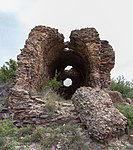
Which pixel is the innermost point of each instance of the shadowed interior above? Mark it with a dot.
(77, 73)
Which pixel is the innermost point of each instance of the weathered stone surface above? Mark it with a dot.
(130, 139)
(107, 61)
(129, 101)
(23, 105)
(116, 97)
(40, 51)
(97, 113)
(86, 42)
(4, 91)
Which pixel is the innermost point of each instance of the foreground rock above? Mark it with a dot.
(97, 113)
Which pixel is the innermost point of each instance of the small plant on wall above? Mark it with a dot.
(51, 83)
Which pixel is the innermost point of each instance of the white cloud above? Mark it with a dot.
(10, 5)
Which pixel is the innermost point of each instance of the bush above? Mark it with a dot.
(67, 136)
(7, 71)
(8, 133)
(127, 111)
(51, 83)
(52, 101)
(123, 86)
(7, 128)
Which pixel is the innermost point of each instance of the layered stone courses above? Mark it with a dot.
(44, 48)
(45, 54)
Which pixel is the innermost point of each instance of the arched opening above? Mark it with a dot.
(67, 82)
(72, 70)
(68, 67)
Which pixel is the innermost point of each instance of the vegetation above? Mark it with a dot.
(49, 94)
(123, 86)
(66, 136)
(51, 83)
(52, 101)
(127, 111)
(8, 132)
(7, 71)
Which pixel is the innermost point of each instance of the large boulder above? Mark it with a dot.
(96, 111)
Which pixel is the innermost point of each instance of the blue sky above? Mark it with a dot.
(11, 36)
(112, 19)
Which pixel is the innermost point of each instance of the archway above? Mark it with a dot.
(71, 68)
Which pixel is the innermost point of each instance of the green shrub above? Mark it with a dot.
(8, 140)
(127, 111)
(7, 71)
(123, 86)
(25, 131)
(68, 136)
(7, 128)
(8, 144)
(73, 137)
(51, 83)
(52, 101)
(46, 136)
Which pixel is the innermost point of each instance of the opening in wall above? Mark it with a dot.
(68, 68)
(67, 82)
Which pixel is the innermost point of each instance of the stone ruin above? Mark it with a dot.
(45, 54)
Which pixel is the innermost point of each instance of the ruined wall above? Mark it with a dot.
(45, 52)
(87, 43)
(107, 56)
(43, 45)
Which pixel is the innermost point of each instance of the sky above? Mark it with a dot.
(112, 19)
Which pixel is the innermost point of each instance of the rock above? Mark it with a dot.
(96, 111)
(107, 57)
(4, 91)
(116, 97)
(18, 123)
(66, 105)
(43, 116)
(4, 110)
(4, 116)
(130, 139)
(25, 122)
(34, 146)
(129, 100)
